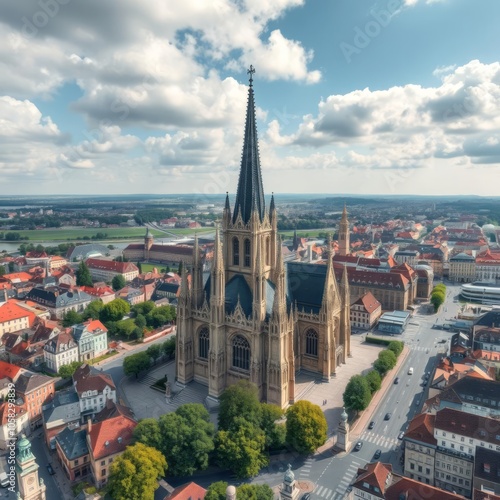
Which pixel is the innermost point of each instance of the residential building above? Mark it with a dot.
(106, 441)
(106, 270)
(190, 490)
(407, 256)
(14, 318)
(131, 295)
(92, 339)
(59, 301)
(365, 312)
(94, 388)
(487, 471)
(462, 268)
(35, 390)
(103, 293)
(488, 266)
(14, 421)
(56, 262)
(73, 453)
(59, 351)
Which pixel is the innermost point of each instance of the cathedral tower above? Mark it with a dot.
(344, 236)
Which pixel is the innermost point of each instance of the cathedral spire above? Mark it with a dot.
(250, 193)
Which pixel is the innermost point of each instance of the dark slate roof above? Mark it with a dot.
(486, 464)
(54, 298)
(237, 288)
(58, 409)
(28, 383)
(168, 287)
(478, 391)
(306, 283)
(250, 193)
(491, 318)
(73, 443)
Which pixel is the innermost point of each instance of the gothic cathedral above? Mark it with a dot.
(254, 319)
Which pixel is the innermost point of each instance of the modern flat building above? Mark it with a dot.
(393, 322)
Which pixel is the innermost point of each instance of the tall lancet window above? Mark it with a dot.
(236, 251)
(241, 353)
(203, 343)
(247, 253)
(268, 251)
(311, 342)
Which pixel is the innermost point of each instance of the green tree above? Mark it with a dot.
(125, 328)
(71, 318)
(2, 270)
(136, 363)
(154, 351)
(396, 347)
(217, 491)
(114, 310)
(254, 492)
(237, 400)
(357, 393)
(148, 432)
(168, 347)
(306, 427)
(275, 432)
(374, 380)
(187, 439)
(134, 474)
(437, 299)
(140, 321)
(118, 282)
(386, 361)
(93, 310)
(67, 371)
(241, 449)
(83, 277)
(143, 308)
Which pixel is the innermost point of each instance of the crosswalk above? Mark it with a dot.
(380, 440)
(414, 347)
(341, 491)
(305, 470)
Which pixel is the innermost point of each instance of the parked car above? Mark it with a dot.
(371, 425)
(401, 435)
(306, 496)
(388, 416)
(358, 446)
(50, 469)
(396, 380)
(377, 454)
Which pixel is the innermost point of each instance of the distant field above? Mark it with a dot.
(311, 233)
(80, 233)
(147, 267)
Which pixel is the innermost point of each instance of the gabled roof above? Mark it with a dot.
(111, 436)
(113, 410)
(112, 265)
(369, 302)
(410, 489)
(373, 478)
(73, 443)
(421, 429)
(7, 411)
(188, 491)
(10, 371)
(87, 378)
(11, 311)
(62, 342)
(28, 383)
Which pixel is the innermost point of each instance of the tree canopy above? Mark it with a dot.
(118, 282)
(71, 318)
(385, 362)
(306, 427)
(237, 400)
(83, 277)
(357, 394)
(67, 371)
(374, 380)
(136, 363)
(134, 474)
(115, 310)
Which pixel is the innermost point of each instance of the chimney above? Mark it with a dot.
(89, 425)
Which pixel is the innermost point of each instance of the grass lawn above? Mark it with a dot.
(147, 267)
(306, 233)
(102, 358)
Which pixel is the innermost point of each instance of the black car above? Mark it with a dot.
(306, 496)
(371, 425)
(396, 380)
(377, 454)
(50, 469)
(358, 446)
(388, 416)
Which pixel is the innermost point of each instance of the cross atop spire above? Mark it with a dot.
(250, 71)
(250, 193)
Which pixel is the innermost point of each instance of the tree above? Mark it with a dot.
(396, 347)
(147, 432)
(386, 361)
(114, 310)
(71, 318)
(187, 439)
(179, 269)
(134, 474)
(217, 491)
(357, 393)
(83, 277)
(67, 371)
(168, 347)
(118, 282)
(237, 400)
(374, 380)
(154, 351)
(275, 433)
(254, 492)
(136, 363)
(2, 270)
(140, 321)
(306, 427)
(93, 310)
(125, 328)
(241, 449)
(143, 308)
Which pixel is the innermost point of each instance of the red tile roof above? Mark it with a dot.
(189, 491)
(8, 370)
(111, 436)
(87, 379)
(94, 324)
(112, 265)
(409, 489)
(6, 414)
(16, 277)
(421, 428)
(11, 311)
(375, 475)
(369, 302)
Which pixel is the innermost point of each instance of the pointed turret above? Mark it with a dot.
(330, 292)
(345, 315)
(279, 304)
(197, 274)
(218, 285)
(250, 193)
(226, 214)
(259, 292)
(184, 291)
(344, 237)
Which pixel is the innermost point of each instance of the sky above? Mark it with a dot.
(353, 96)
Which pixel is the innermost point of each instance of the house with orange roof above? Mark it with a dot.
(488, 265)
(15, 278)
(14, 318)
(365, 312)
(106, 441)
(14, 421)
(104, 293)
(56, 262)
(10, 371)
(91, 338)
(190, 491)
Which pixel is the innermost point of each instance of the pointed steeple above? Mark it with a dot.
(330, 291)
(226, 206)
(279, 305)
(218, 264)
(184, 291)
(272, 207)
(197, 275)
(250, 193)
(344, 214)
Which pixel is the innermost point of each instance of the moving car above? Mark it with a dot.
(401, 435)
(371, 425)
(388, 416)
(377, 454)
(396, 380)
(50, 469)
(410, 370)
(358, 446)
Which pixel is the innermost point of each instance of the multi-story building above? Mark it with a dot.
(14, 421)
(94, 388)
(365, 312)
(59, 351)
(487, 471)
(106, 270)
(36, 391)
(59, 301)
(106, 441)
(409, 256)
(131, 295)
(488, 266)
(92, 339)
(13, 317)
(73, 453)
(462, 268)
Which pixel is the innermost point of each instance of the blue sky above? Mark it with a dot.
(353, 96)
